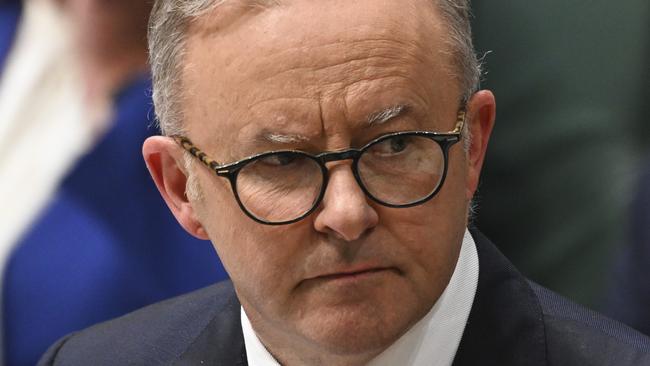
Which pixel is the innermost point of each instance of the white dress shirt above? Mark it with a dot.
(432, 341)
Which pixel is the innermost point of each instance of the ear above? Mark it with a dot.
(481, 113)
(164, 160)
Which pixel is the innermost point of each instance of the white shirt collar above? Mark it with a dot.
(432, 341)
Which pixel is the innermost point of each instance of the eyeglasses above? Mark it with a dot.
(400, 169)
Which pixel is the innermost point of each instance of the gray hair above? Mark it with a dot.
(167, 32)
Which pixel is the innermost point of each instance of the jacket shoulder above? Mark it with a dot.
(517, 322)
(576, 335)
(154, 335)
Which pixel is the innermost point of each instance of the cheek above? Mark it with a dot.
(254, 260)
(221, 218)
(460, 178)
(263, 261)
(429, 238)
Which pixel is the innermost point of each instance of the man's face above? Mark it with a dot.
(354, 275)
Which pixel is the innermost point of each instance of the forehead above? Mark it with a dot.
(254, 67)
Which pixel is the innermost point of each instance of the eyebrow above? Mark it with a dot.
(376, 118)
(283, 138)
(387, 114)
(263, 4)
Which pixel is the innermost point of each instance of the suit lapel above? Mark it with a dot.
(221, 342)
(505, 326)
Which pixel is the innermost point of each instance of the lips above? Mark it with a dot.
(352, 273)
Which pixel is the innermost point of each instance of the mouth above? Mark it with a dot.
(353, 275)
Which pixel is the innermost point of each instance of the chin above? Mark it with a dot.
(346, 330)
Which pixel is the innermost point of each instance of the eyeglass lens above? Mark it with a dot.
(402, 170)
(398, 170)
(280, 187)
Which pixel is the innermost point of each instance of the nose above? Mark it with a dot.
(345, 211)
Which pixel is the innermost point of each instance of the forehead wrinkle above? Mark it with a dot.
(336, 63)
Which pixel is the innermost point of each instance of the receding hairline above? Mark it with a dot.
(177, 19)
(219, 20)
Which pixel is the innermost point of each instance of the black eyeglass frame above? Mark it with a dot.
(231, 170)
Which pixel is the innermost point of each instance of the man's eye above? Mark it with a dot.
(281, 159)
(392, 146)
(398, 144)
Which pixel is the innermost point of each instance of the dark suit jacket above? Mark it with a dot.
(512, 322)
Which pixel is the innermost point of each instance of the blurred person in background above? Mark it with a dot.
(629, 296)
(84, 235)
(557, 182)
(628, 299)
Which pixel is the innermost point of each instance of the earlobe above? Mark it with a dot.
(481, 116)
(165, 163)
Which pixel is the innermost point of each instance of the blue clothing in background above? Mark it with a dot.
(9, 16)
(106, 245)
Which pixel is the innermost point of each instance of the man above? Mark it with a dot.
(342, 143)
